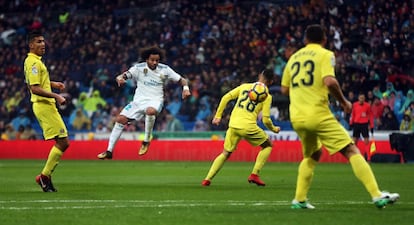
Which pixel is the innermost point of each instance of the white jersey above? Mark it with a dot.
(150, 83)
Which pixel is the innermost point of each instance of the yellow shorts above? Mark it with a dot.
(50, 120)
(327, 132)
(254, 135)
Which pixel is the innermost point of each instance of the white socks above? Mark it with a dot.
(115, 134)
(149, 125)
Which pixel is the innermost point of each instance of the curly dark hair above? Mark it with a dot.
(152, 50)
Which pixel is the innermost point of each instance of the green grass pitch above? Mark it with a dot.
(152, 193)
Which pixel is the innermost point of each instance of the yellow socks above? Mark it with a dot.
(363, 172)
(261, 159)
(216, 166)
(52, 161)
(304, 179)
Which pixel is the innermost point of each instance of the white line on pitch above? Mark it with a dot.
(100, 204)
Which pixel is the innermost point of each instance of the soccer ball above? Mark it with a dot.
(258, 92)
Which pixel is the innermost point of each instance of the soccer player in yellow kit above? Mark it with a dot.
(44, 107)
(308, 78)
(243, 125)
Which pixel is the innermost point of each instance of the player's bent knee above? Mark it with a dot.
(350, 150)
(62, 144)
(226, 154)
(266, 144)
(316, 155)
(151, 111)
(122, 119)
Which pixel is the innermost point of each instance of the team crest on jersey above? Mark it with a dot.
(333, 61)
(145, 71)
(34, 70)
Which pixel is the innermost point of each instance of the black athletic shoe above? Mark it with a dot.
(105, 155)
(45, 183)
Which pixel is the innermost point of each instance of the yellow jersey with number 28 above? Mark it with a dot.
(245, 112)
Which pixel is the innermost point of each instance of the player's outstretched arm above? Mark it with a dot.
(269, 124)
(121, 79)
(186, 90)
(222, 105)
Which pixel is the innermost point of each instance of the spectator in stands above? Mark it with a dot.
(370, 97)
(351, 96)
(172, 123)
(73, 89)
(406, 124)
(385, 100)
(5, 116)
(2, 128)
(377, 92)
(19, 132)
(114, 111)
(410, 110)
(101, 128)
(91, 103)
(388, 120)
(174, 106)
(200, 126)
(407, 101)
(391, 100)
(87, 57)
(21, 120)
(80, 102)
(9, 133)
(203, 113)
(390, 88)
(377, 109)
(373, 76)
(29, 133)
(99, 116)
(398, 102)
(13, 102)
(81, 121)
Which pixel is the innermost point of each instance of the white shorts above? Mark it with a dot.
(136, 110)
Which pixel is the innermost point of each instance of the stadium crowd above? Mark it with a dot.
(215, 44)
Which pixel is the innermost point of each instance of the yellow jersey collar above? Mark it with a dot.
(314, 45)
(34, 55)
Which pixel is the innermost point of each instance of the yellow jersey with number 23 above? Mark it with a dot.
(304, 74)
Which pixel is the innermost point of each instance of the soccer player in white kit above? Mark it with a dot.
(150, 77)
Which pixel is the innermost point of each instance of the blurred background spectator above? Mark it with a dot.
(406, 123)
(215, 47)
(172, 123)
(81, 121)
(29, 133)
